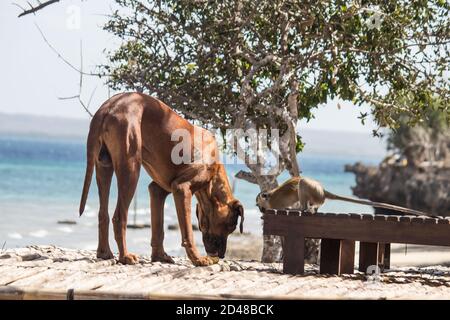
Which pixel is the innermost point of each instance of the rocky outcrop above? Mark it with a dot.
(425, 188)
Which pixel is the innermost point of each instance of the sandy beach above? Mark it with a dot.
(49, 272)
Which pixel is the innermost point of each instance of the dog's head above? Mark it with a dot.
(217, 224)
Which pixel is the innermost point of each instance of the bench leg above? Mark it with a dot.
(337, 256)
(329, 256)
(347, 257)
(374, 254)
(384, 256)
(294, 254)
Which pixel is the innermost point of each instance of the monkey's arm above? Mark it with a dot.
(333, 196)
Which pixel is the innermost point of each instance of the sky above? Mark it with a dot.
(33, 77)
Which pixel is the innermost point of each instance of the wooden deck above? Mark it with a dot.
(48, 272)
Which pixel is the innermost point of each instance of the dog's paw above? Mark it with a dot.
(129, 258)
(105, 254)
(205, 261)
(165, 258)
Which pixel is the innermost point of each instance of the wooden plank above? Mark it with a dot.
(347, 257)
(418, 220)
(35, 293)
(360, 230)
(357, 216)
(368, 255)
(430, 221)
(294, 254)
(329, 256)
(405, 219)
(294, 213)
(387, 256)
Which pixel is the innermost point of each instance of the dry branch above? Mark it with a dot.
(33, 9)
(79, 70)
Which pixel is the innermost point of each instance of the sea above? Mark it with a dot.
(40, 187)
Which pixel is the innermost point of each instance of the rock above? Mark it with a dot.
(173, 227)
(139, 226)
(67, 222)
(31, 257)
(420, 188)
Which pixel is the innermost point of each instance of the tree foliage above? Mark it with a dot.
(427, 141)
(264, 64)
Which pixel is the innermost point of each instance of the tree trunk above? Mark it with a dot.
(272, 250)
(272, 245)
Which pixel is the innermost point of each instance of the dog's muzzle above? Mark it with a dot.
(215, 246)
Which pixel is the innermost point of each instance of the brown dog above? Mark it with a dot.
(133, 129)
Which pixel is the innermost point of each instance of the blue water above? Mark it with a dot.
(41, 180)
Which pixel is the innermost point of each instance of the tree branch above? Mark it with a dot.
(247, 176)
(62, 58)
(80, 87)
(36, 8)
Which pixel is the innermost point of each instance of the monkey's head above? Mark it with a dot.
(262, 201)
(216, 222)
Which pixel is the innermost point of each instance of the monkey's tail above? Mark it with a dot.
(93, 149)
(333, 196)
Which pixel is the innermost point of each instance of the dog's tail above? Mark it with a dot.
(93, 149)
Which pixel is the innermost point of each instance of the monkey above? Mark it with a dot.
(308, 195)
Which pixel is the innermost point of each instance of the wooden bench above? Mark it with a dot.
(340, 231)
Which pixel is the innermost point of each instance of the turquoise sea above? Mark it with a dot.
(41, 180)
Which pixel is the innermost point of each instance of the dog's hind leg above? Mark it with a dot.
(104, 173)
(125, 149)
(157, 198)
(127, 179)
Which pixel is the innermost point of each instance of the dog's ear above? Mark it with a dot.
(203, 223)
(237, 210)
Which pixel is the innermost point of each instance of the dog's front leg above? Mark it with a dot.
(157, 198)
(182, 195)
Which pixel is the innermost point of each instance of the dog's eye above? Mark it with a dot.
(264, 195)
